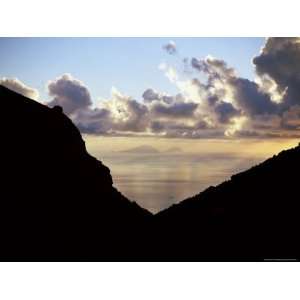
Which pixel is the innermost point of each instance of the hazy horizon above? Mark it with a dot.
(158, 179)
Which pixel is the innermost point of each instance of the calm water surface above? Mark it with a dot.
(157, 180)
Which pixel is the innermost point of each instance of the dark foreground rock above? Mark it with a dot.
(253, 216)
(57, 202)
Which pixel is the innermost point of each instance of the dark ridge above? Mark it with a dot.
(57, 200)
(253, 216)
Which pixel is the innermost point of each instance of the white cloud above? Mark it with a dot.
(70, 93)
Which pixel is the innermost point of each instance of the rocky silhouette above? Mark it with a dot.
(59, 203)
(253, 216)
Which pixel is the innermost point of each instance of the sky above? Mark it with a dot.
(169, 116)
(129, 64)
(183, 87)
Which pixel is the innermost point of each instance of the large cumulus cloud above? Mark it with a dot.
(126, 114)
(117, 115)
(69, 93)
(279, 61)
(272, 99)
(223, 84)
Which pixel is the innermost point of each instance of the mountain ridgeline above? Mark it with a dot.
(59, 203)
(253, 216)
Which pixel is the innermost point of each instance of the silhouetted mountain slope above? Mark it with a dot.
(253, 216)
(56, 199)
(57, 202)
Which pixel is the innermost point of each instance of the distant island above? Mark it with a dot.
(58, 203)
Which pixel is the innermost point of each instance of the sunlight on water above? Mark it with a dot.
(159, 173)
(158, 181)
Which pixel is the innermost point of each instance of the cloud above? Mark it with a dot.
(93, 121)
(279, 60)
(122, 115)
(116, 116)
(175, 110)
(127, 114)
(223, 82)
(170, 47)
(226, 111)
(19, 87)
(212, 100)
(181, 129)
(248, 97)
(291, 118)
(242, 104)
(150, 95)
(69, 93)
(213, 67)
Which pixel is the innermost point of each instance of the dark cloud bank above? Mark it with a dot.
(222, 105)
